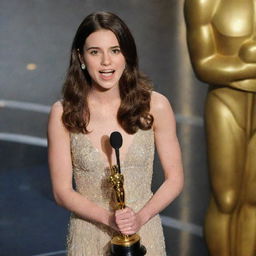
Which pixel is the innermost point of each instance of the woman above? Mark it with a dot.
(104, 92)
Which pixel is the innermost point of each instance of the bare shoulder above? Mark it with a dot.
(162, 112)
(57, 108)
(164, 118)
(56, 112)
(55, 118)
(159, 103)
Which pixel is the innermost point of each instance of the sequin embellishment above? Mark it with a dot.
(91, 179)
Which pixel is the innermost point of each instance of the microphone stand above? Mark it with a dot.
(118, 160)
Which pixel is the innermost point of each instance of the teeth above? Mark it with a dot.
(107, 71)
(107, 74)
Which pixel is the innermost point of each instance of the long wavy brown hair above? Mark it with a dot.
(135, 88)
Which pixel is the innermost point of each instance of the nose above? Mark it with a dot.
(106, 59)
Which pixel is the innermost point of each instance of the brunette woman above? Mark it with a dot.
(105, 92)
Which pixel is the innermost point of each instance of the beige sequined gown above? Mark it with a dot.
(90, 174)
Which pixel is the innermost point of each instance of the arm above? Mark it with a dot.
(60, 164)
(210, 65)
(170, 156)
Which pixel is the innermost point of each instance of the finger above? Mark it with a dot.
(125, 225)
(122, 211)
(128, 231)
(124, 221)
(125, 218)
(128, 211)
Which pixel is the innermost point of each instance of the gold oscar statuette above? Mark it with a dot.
(123, 245)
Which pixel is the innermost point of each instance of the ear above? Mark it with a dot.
(80, 56)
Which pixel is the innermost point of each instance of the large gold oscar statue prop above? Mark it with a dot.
(122, 245)
(221, 36)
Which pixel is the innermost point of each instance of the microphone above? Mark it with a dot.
(116, 142)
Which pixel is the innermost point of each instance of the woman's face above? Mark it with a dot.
(103, 58)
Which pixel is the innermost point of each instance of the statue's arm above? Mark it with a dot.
(209, 65)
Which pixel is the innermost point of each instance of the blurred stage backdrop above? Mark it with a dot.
(35, 39)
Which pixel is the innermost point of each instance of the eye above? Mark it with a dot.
(116, 51)
(94, 52)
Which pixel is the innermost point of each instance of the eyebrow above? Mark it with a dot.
(97, 48)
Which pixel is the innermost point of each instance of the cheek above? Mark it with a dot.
(90, 72)
(90, 61)
(91, 66)
(122, 64)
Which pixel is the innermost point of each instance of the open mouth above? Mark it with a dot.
(107, 73)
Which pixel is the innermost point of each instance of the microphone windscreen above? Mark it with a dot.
(116, 140)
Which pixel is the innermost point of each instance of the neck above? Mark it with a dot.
(111, 96)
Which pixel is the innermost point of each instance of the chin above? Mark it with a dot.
(105, 87)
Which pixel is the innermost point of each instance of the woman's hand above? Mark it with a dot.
(112, 222)
(127, 221)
